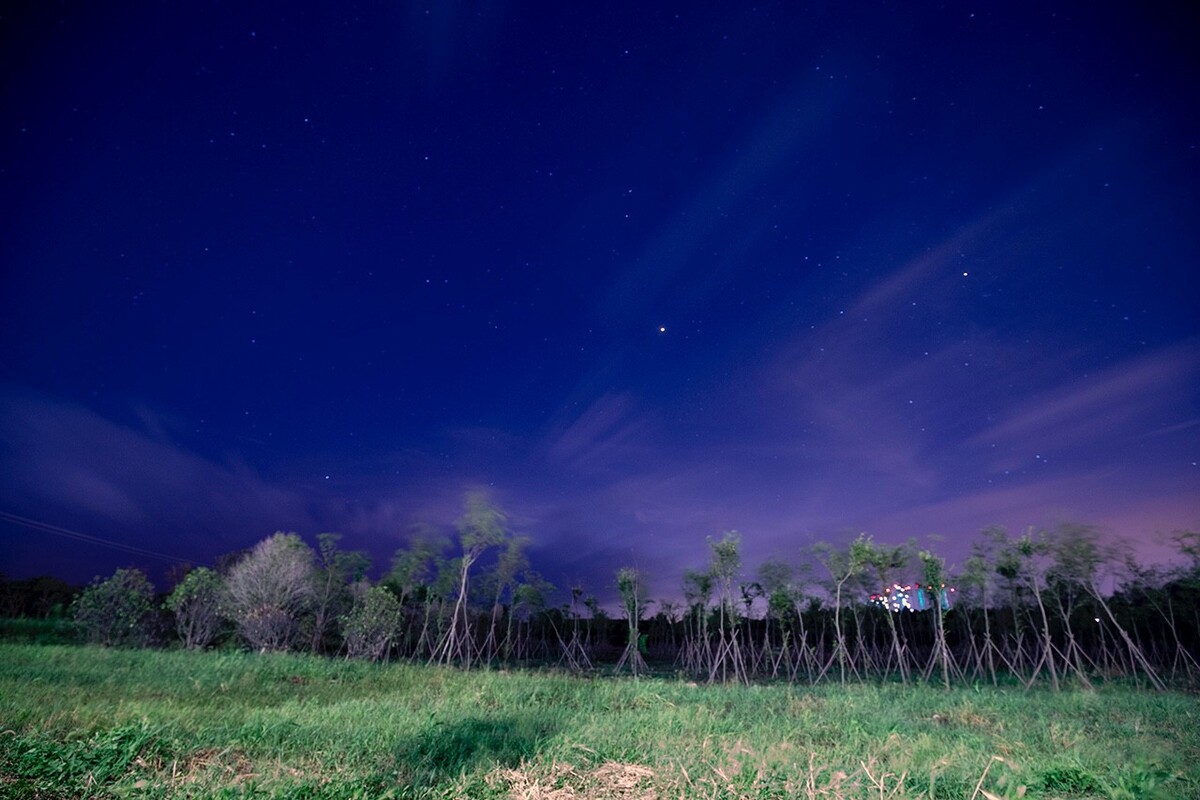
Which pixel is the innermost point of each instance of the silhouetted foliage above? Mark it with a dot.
(117, 610)
(195, 603)
(41, 597)
(1025, 610)
(373, 624)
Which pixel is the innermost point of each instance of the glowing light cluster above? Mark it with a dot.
(914, 597)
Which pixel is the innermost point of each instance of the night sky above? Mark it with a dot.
(644, 271)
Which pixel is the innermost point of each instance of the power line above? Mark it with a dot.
(46, 527)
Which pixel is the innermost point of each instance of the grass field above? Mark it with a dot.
(78, 721)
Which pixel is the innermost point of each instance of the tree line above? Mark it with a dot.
(1060, 606)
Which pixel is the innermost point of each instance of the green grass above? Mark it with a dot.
(89, 722)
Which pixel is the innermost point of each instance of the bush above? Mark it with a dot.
(372, 625)
(196, 604)
(117, 611)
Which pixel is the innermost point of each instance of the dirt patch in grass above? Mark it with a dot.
(965, 717)
(205, 766)
(618, 781)
(609, 781)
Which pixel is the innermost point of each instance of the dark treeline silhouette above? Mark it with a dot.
(1053, 607)
(43, 597)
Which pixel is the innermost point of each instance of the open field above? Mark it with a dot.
(78, 721)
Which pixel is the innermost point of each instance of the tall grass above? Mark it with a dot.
(88, 722)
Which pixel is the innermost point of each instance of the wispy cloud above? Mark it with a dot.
(1123, 400)
(67, 459)
(609, 433)
(713, 211)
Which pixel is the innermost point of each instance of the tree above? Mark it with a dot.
(1172, 594)
(724, 566)
(885, 563)
(331, 595)
(670, 611)
(479, 529)
(998, 548)
(1078, 556)
(414, 575)
(574, 652)
(42, 597)
(633, 591)
(117, 611)
(933, 572)
(803, 603)
(697, 592)
(446, 576)
(1032, 556)
(842, 567)
(977, 577)
(269, 590)
(529, 602)
(511, 563)
(415, 566)
(373, 624)
(774, 576)
(196, 604)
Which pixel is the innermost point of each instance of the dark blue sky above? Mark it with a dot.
(646, 271)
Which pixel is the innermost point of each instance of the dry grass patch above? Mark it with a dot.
(211, 765)
(621, 781)
(609, 781)
(211, 769)
(965, 716)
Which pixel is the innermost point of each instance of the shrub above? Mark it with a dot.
(196, 604)
(373, 624)
(117, 611)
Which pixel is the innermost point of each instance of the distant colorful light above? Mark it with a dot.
(913, 597)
